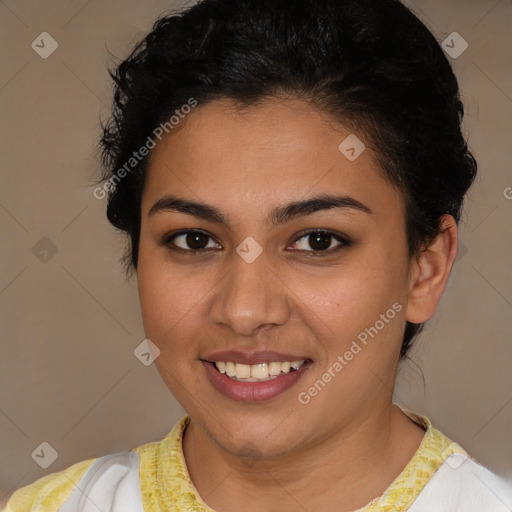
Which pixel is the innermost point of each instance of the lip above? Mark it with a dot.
(253, 391)
(262, 356)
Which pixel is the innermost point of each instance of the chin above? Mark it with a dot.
(254, 437)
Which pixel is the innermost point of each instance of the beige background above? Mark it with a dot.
(68, 375)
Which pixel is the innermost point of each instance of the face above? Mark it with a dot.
(277, 277)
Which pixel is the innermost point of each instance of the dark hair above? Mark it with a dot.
(371, 64)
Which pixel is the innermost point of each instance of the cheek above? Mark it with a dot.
(357, 313)
(171, 311)
(357, 317)
(351, 296)
(170, 301)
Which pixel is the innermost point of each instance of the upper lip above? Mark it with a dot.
(263, 356)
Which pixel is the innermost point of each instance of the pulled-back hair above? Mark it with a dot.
(371, 64)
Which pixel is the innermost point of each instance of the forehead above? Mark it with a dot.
(285, 149)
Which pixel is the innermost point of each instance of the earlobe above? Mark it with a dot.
(430, 271)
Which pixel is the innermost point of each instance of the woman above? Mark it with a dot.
(290, 176)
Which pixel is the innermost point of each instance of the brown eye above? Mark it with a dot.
(318, 241)
(190, 241)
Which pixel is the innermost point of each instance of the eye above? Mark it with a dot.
(318, 241)
(191, 241)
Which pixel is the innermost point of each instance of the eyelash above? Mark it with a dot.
(344, 242)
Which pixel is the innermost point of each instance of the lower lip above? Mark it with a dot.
(253, 391)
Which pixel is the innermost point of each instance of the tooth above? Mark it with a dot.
(274, 368)
(230, 369)
(256, 372)
(243, 371)
(259, 371)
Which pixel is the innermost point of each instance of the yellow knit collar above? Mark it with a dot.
(166, 485)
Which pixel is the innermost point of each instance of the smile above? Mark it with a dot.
(255, 382)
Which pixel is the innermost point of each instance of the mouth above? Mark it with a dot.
(256, 382)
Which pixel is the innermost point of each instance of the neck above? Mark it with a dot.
(331, 475)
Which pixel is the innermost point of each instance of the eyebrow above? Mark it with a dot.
(279, 215)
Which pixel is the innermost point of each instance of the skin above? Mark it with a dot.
(281, 455)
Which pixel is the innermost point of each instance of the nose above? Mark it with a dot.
(251, 297)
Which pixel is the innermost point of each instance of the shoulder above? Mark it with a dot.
(115, 482)
(109, 482)
(442, 476)
(463, 484)
(50, 491)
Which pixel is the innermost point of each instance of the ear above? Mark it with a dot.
(429, 273)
